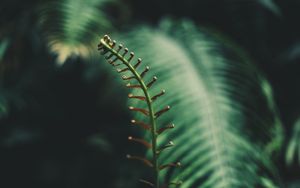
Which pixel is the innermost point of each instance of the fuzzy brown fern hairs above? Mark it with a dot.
(116, 56)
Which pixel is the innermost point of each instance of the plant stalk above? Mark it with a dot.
(151, 113)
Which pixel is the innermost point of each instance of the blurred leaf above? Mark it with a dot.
(3, 46)
(294, 184)
(3, 106)
(72, 27)
(267, 183)
(278, 132)
(222, 111)
(291, 54)
(271, 5)
(100, 142)
(293, 149)
(256, 25)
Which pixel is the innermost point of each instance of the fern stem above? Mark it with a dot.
(150, 108)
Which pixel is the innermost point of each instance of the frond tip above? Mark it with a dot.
(142, 159)
(116, 56)
(141, 141)
(147, 182)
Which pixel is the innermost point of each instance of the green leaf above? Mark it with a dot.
(3, 106)
(293, 149)
(221, 107)
(72, 27)
(3, 47)
(271, 5)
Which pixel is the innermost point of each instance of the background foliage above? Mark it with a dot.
(229, 67)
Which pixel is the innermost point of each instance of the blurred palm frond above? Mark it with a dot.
(221, 138)
(293, 148)
(72, 27)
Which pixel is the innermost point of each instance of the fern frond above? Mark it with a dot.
(116, 56)
(293, 149)
(223, 116)
(71, 27)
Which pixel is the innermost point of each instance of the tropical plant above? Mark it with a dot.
(204, 114)
(224, 71)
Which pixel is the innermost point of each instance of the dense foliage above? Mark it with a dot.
(229, 69)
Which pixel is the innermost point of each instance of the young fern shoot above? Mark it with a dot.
(116, 56)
